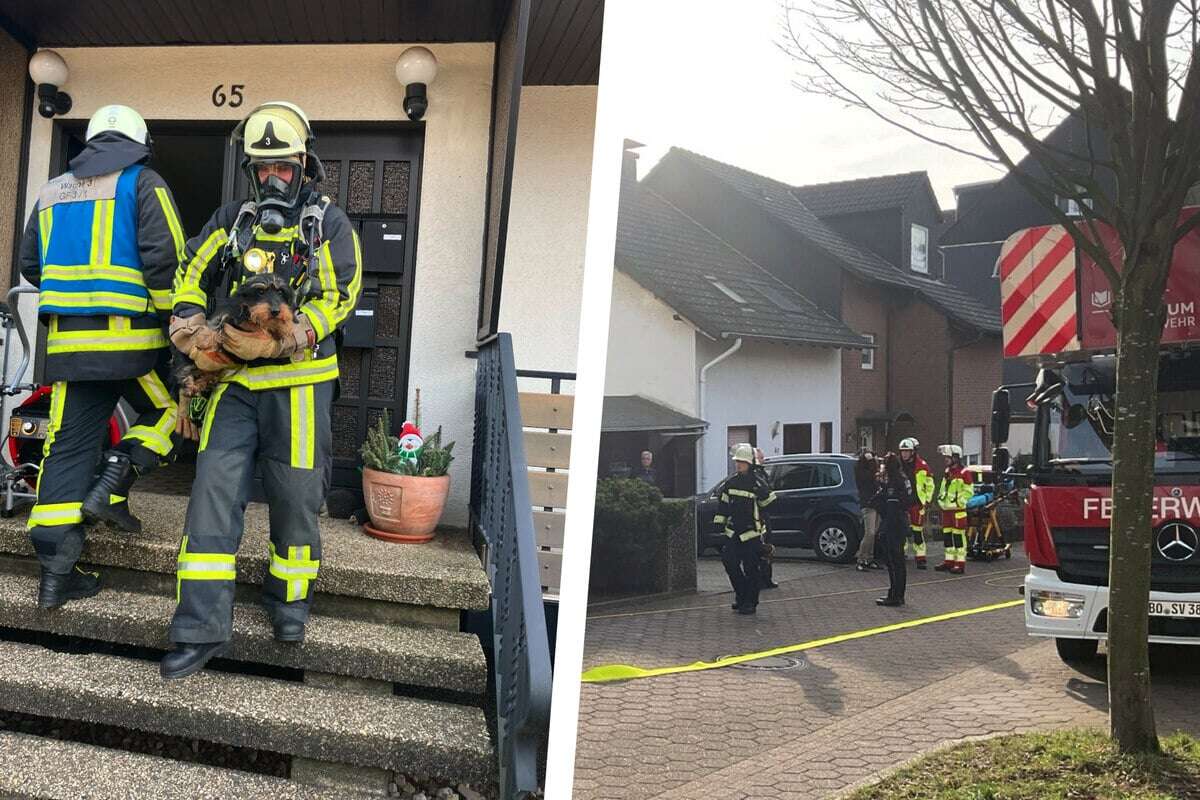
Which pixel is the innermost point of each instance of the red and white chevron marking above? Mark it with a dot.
(1037, 292)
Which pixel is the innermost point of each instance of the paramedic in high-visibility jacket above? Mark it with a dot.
(103, 244)
(955, 489)
(273, 408)
(923, 488)
(743, 498)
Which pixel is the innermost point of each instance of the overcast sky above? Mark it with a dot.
(709, 76)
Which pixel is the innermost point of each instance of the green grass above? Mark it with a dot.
(1069, 765)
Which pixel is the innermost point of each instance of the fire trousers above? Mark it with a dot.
(955, 539)
(288, 432)
(742, 564)
(75, 437)
(916, 534)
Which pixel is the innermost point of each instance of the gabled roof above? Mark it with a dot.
(682, 263)
(632, 412)
(863, 194)
(777, 200)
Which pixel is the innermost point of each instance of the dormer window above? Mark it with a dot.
(919, 257)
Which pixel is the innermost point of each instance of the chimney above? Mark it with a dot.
(629, 163)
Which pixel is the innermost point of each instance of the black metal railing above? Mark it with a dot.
(502, 522)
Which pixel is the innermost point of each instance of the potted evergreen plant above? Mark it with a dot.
(405, 482)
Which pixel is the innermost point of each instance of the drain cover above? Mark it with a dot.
(774, 663)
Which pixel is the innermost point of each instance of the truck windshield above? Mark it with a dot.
(1078, 426)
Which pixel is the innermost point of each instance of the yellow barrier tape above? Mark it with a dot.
(626, 672)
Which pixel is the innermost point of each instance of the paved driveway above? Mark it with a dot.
(812, 724)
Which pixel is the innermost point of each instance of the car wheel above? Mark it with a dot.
(1074, 651)
(834, 541)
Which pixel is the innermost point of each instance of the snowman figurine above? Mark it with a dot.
(410, 442)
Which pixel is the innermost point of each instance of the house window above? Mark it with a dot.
(866, 439)
(919, 258)
(868, 356)
(797, 438)
(826, 437)
(1070, 205)
(972, 444)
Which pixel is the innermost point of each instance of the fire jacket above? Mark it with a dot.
(743, 499)
(333, 273)
(955, 490)
(103, 247)
(922, 480)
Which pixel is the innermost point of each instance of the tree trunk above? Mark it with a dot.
(1139, 330)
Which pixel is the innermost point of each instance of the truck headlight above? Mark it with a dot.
(1056, 604)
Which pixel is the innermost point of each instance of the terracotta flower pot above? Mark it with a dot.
(404, 508)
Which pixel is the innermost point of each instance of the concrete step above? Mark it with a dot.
(415, 656)
(412, 736)
(36, 767)
(445, 572)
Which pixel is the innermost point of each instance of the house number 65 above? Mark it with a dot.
(233, 99)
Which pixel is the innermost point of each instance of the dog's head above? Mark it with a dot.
(265, 301)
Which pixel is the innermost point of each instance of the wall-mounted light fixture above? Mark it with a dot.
(49, 71)
(415, 69)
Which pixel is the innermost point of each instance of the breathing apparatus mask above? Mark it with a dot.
(276, 184)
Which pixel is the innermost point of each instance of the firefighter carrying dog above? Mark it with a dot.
(743, 499)
(954, 491)
(102, 245)
(923, 488)
(275, 409)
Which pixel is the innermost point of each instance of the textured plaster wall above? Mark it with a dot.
(344, 83)
(13, 60)
(547, 226)
(763, 384)
(649, 352)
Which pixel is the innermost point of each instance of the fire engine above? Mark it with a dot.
(1055, 308)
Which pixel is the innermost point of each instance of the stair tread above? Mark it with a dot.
(444, 572)
(405, 734)
(33, 766)
(410, 655)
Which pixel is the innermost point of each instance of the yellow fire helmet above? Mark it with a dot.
(274, 130)
(743, 452)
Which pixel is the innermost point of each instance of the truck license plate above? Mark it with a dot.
(1162, 608)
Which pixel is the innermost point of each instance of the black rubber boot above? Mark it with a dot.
(289, 631)
(187, 659)
(55, 590)
(116, 479)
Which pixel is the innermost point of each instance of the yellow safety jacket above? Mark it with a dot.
(923, 482)
(954, 491)
(332, 272)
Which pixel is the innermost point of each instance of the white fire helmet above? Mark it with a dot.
(743, 452)
(119, 119)
(950, 450)
(909, 444)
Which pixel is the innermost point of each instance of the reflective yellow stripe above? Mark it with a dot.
(161, 299)
(209, 412)
(50, 514)
(329, 310)
(151, 437)
(168, 209)
(624, 672)
(284, 235)
(126, 302)
(120, 335)
(278, 376)
(303, 427)
(748, 535)
(296, 571)
(188, 296)
(156, 390)
(87, 272)
(742, 493)
(202, 567)
(58, 400)
(770, 499)
(45, 225)
(187, 281)
(102, 231)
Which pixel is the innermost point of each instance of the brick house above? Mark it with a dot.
(865, 252)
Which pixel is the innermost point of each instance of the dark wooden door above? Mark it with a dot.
(374, 175)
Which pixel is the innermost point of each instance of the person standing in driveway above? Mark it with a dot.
(743, 499)
(865, 476)
(894, 498)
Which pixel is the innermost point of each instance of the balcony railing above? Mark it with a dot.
(502, 523)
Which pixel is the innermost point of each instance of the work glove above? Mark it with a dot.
(185, 426)
(192, 337)
(253, 345)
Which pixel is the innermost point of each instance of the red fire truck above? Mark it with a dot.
(1055, 307)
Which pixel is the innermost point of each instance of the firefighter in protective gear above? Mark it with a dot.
(743, 499)
(954, 491)
(102, 245)
(923, 489)
(274, 409)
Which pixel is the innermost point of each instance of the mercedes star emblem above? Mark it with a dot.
(1177, 541)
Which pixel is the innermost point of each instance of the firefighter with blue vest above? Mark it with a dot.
(274, 409)
(103, 244)
(955, 489)
(743, 498)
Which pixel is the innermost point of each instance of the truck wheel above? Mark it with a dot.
(1074, 651)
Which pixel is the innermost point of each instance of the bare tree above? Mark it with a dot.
(997, 74)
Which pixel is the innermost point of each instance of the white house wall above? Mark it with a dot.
(343, 83)
(768, 386)
(650, 353)
(547, 226)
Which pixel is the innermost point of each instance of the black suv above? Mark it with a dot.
(816, 506)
